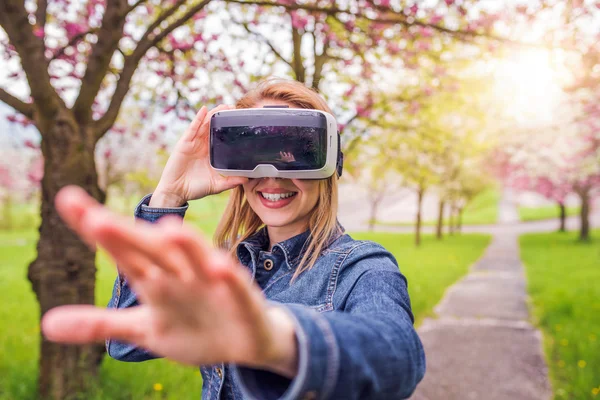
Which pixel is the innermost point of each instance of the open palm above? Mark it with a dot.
(197, 305)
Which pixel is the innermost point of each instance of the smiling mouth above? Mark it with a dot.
(277, 196)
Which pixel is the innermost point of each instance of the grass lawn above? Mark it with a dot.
(429, 269)
(541, 213)
(564, 283)
(483, 210)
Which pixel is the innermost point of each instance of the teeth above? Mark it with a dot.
(276, 196)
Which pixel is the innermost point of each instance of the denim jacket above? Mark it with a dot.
(354, 324)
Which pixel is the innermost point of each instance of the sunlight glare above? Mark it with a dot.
(529, 87)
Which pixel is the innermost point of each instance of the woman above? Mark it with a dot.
(287, 307)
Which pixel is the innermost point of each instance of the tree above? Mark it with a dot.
(368, 166)
(471, 179)
(574, 27)
(78, 71)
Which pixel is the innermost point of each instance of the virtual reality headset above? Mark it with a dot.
(275, 141)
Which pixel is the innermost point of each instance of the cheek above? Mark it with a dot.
(310, 191)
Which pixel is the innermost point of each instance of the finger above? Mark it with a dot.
(140, 246)
(191, 131)
(79, 324)
(205, 261)
(72, 204)
(106, 228)
(203, 131)
(244, 290)
(229, 182)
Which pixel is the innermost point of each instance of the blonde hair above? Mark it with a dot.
(239, 221)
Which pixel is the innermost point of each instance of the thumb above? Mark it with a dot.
(229, 182)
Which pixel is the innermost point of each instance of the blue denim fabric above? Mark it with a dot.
(353, 319)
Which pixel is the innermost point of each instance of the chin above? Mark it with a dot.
(276, 221)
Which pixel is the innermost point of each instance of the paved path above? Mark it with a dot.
(482, 345)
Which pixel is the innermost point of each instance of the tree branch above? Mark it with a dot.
(159, 20)
(267, 42)
(130, 65)
(392, 17)
(136, 5)
(72, 42)
(109, 35)
(41, 14)
(297, 64)
(320, 60)
(24, 108)
(150, 40)
(14, 19)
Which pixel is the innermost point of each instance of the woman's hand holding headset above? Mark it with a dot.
(188, 174)
(198, 306)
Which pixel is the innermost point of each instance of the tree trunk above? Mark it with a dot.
(440, 221)
(373, 217)
(7, 213)
(459, 220)
(584, 231)
(451, 219)
(563, 216)
(420, 194)
(64, 270)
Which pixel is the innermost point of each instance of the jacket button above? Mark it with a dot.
(219, 372)
(268, 264)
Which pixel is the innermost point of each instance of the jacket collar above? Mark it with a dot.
(293, 248)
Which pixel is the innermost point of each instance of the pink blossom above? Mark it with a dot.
(350, 91)
(423, 46)
(522, 9)
(393, 48)
(298, 21)
(38, 31)
(36, 171)
(414, 107)
(29, 144)
(73, 29)
(436, 19)
(426, 31)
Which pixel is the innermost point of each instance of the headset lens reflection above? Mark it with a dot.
(287, 148)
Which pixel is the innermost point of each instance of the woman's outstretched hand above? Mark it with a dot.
(197, 305)
(188, 174)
